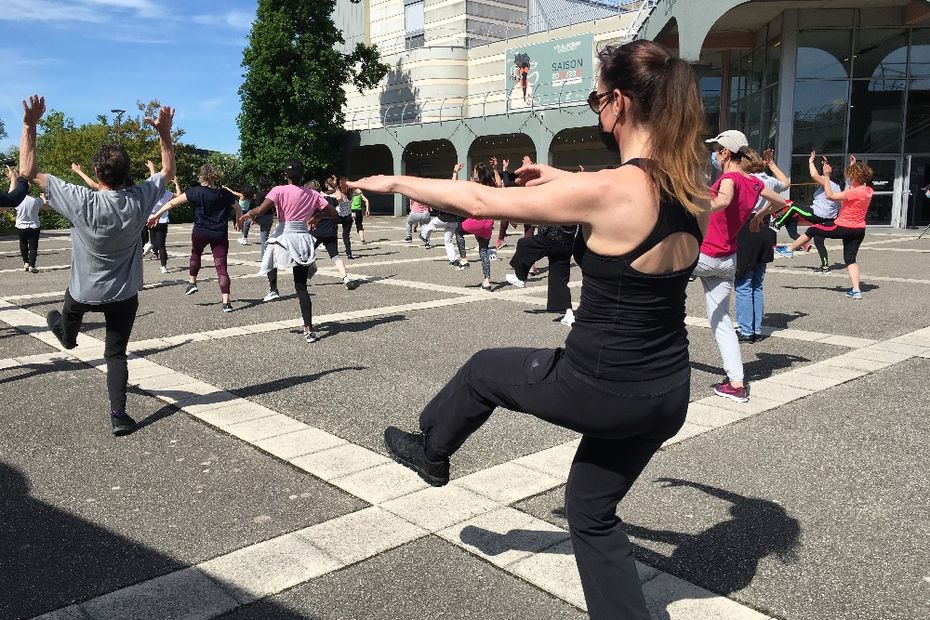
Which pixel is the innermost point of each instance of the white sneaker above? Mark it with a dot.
(242, 241)
(271, 296)
(25, 266)
(569, 318)
(146, 249)
(164, 270)
(513, 279)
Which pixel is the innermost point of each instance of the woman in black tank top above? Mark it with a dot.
(622, 380)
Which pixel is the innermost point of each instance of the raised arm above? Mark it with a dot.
(151, 167)
(812, 168)
(776, 171)
(33, 109)
(827, 187)
(19, 187)
(455, 171)
(76, 168)
(162, 125)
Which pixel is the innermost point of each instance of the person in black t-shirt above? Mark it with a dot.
(211, 211)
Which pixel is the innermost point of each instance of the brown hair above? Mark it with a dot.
(111, 165)
(209, 174)
(752, 163)
(344, 185)
(859, 172)
(665, 96)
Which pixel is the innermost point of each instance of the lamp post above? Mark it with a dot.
(119, 115)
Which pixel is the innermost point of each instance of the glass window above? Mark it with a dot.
(756, 69)
(920, 53)
(820, 116)
(769, 117)
(772, 63)
(875, 114)
(753, 128)
(413, 23)
(917, 122)
(880, 54)
(824, 54)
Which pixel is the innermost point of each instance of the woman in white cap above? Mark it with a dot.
(735, 194)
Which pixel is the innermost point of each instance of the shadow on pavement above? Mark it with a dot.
(286, 382)
(359, 326)
(762, 367)
(50, 559)
(724, 558)
(780, 320)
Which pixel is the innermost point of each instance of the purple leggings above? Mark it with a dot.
(219, 248)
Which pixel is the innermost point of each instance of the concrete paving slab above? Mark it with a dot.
(361, 535)
(428, 578)
(171, 494)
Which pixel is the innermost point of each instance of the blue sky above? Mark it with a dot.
(89, 56)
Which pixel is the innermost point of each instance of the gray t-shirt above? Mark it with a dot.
(27, 213)
(770, 182)
(106, 236)
(823, 206)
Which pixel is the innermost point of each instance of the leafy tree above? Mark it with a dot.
(2, 130)
(292, 96)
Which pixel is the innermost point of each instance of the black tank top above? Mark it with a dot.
(630, 326)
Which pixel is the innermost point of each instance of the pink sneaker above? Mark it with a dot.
(725, 390)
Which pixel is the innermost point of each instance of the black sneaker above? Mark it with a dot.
(227, 307)
(191, 289)
(53, 319)
(350, 257)
(745, 337)
(122, 424)
(454, 263)
(409, 449)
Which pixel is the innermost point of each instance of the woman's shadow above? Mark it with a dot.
(725, 557)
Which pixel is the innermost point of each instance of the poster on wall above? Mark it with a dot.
(548, 74)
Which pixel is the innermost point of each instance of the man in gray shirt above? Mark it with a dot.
(106, 256)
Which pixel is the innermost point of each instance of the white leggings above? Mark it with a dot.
(717, 275)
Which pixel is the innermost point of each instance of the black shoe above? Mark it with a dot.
(227, 307)
(53, 320)
(191, 289)
(350, 257)
(745, 337)
(122, 424)
(454, 263)
(409, 449)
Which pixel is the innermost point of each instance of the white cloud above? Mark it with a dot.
(49, 11)
(237, 20)
(87, 11)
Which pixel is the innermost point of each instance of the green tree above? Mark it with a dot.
(2, 130)
(292, 96)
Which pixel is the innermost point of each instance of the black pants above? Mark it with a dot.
(346, 222)
(790, 220)
(159, 239)
(28, 245)
(302, 273)
(852, 239)
(531, 249)
(359, 220)
(623, 424)
(332, 248)
(119, 317)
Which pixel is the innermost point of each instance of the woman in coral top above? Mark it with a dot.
(849, 224)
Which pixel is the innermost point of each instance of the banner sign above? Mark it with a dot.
(548, 74)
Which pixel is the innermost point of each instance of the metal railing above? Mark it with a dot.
(445, 109)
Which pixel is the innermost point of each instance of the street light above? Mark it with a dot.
(119, 115)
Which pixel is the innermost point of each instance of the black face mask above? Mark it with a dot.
(608, 137)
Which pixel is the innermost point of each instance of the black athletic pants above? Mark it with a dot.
(346, 222)
(302, 273)
(119, 317)
(531, 249)
(790, 220)
(623, 424)
(28, 244)
(159, 239)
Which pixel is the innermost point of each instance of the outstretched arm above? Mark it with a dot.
(256, 211)
(812, 168)
(76, 168)
(178, 200)
(238, 195)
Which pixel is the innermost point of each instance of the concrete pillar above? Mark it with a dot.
(400, 167)
(789, 57)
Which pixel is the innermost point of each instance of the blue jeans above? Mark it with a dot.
(749, 301)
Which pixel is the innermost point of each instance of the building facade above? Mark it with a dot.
(476, 78)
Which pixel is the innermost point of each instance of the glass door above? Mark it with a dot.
(918, 212)
(888, 203)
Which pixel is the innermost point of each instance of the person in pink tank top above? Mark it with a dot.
(734, 195)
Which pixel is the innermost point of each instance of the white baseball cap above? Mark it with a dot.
(732, 140)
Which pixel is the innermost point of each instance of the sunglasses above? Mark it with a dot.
(594, 100)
